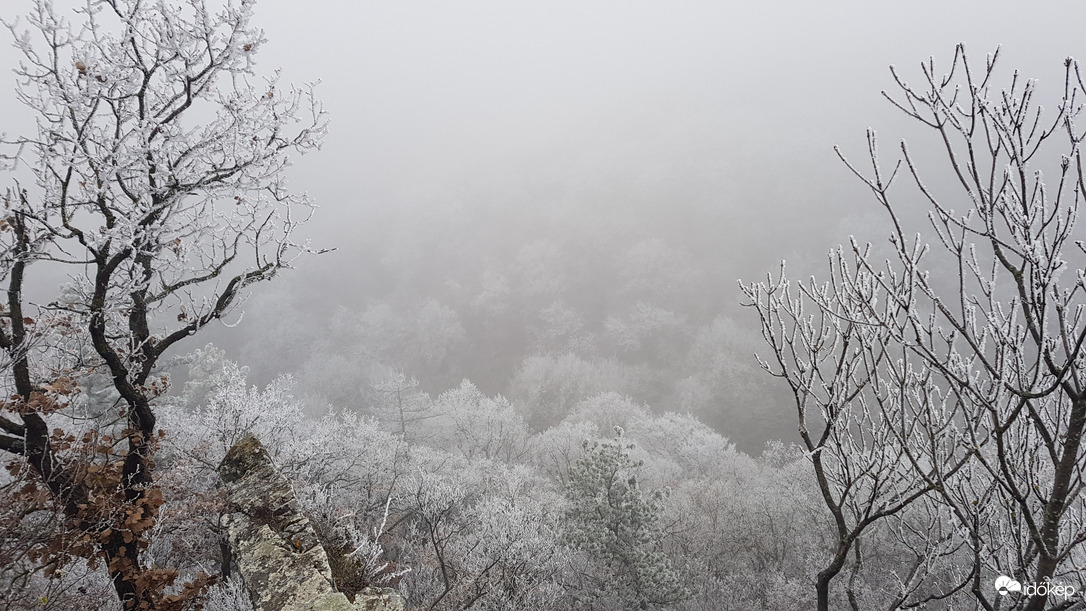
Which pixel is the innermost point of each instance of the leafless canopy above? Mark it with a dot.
(942, 381)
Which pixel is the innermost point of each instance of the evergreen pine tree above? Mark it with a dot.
(615, 524)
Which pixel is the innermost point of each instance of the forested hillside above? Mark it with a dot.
(613, 507)
(607, 364)
(545, 302)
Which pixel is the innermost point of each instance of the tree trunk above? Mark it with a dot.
(124, 571)
(822, 588)
(826, 575)
(1057, 501)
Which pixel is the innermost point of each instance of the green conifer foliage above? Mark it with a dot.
(615, 524)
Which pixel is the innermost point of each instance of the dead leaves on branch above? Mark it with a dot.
(51, 398)
(95, 521)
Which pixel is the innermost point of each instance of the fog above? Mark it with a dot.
(585, 181)
(514, 364)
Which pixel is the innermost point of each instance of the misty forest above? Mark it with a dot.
(435, 308)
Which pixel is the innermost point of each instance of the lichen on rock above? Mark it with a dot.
(278, 556)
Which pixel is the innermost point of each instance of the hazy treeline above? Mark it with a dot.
(612, 506)
(546, 302)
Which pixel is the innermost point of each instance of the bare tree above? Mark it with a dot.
(855, 392)
(401, 405)
(980, 330)
(155, 182)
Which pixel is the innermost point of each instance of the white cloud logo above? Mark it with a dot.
(1005, 584)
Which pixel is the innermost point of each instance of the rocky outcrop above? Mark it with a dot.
(276, 551)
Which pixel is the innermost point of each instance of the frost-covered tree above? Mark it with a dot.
(546, 388)
(155, 181)
(218, 407)
(437, 330)
(401, 406)
(952, 366)
(614, 522)
(475, 425)
(647, 329)
(481, 534)
(559, 329)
